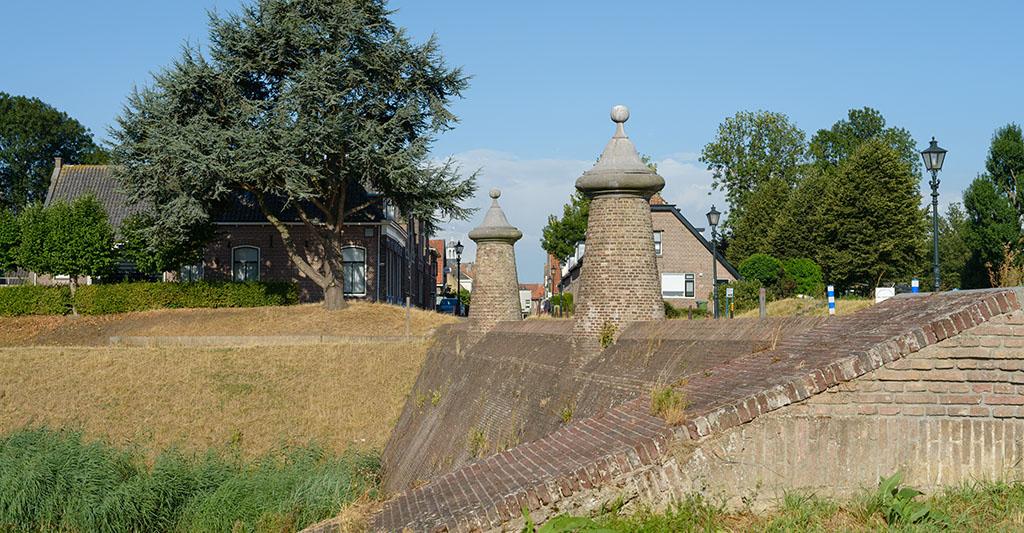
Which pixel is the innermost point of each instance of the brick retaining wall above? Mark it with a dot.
(624, 451)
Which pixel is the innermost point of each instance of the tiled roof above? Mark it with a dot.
(74, 181)
(536, 290)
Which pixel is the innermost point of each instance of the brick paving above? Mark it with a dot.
(592, 452)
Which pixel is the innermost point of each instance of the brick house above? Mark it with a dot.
(682, 253)
(387, 256)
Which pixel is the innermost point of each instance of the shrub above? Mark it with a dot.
(565, 300)
(805, 276)
(34, 300)
(762, 268)
(746, 294)
(128, 297)
(699, 311)
(54, 480)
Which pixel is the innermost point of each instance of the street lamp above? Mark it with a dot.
(458, 278)
(933, 157)
(713, 217)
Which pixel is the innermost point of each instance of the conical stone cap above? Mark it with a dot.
(620, 170)
(495, 226)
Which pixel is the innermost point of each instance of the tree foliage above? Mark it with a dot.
(763, 268)
(10, 237)
(873, 220)
(298, 100)
(1005, 165)
(72, 239)
(751, 149)
(829, 148)
(154, 248)
(954, 252)
(992, 226)
(560, 235)
(32, 133)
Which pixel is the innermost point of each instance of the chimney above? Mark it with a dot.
(619, 282)
(57, 164)
(495, 282)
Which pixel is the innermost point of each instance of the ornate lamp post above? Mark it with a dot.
(933, 157)
(713, 217)
(458, 278)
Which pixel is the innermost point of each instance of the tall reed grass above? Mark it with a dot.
(56, 481)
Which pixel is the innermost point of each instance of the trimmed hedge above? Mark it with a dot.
(34, 300)
(128, 297)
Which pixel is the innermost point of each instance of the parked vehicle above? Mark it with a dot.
(447, 305)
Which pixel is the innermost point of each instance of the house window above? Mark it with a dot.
(677, 285)
(245, 263)
(191, 273)
(657, 243)
(354, 270)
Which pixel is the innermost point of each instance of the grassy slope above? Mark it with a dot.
(256, 397)
(809, 307)
(357, 319)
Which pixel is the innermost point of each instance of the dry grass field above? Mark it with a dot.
(809, 307)
(57, 372)
(310, 319)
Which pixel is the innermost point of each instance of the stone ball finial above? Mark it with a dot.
(495, 193)
(620, 114)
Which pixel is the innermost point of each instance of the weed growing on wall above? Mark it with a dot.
(669, 404)
(607, 334)
(477, 444)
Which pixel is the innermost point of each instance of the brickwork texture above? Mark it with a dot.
(495, 287)
(620, 282)
(811, 409)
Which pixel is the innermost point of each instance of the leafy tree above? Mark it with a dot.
(750, 149)
(992, 226)
(800, 227)
(954, 252)
(763, 269)
(299, 100)
(1005, 165)
(145, 243)
(829, 148)
(10, 237)
(560, 235)
(73, 239)
(751, 232)
(32, 133)
(873, 219)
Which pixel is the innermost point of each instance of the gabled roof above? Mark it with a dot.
(70, 182)
(73, 181)
(536, 290)
(670, 208)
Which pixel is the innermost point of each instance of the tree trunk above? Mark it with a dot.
(334, 297)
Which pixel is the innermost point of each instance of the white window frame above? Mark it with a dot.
(259, 260)
(345, 286)
(658, 237)
(680, 281)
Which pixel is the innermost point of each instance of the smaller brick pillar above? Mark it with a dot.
(619, 278)
(495, 281)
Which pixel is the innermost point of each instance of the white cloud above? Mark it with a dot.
(532, 189)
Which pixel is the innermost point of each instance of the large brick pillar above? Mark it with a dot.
(619, 280)
(495, 282)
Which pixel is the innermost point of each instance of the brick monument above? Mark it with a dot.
(496, 284)
(620, 276)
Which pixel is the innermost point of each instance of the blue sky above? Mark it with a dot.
(546, 73)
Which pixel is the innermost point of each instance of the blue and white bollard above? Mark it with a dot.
(831, 300)
(915, 285)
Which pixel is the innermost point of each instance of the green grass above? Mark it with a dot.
(56, 481)
(979, 506)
